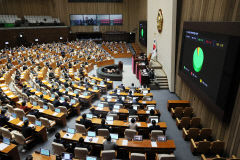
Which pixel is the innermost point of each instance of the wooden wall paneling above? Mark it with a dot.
(211, 10)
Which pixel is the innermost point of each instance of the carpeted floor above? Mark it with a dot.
(182, 151)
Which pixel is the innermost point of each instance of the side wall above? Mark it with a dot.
(211, 10)
(165, 40)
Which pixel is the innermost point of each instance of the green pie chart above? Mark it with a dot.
(198, 58)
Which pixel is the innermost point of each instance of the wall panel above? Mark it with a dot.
(211, 10)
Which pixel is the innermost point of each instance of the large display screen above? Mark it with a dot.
(203, 59)
(95, 0)
(93, 19)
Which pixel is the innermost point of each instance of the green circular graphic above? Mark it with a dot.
(142, 32)
(198, 58)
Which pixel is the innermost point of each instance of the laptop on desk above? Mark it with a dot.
(6, 140)
(44, 152)
(89, 116)
(91, 158)
(67, 156)
(137, 138)
(91, 134)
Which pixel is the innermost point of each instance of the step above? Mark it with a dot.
(163, 87)
(161, 80)
(155, 65)
(159, 73)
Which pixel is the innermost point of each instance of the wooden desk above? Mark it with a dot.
(39, 129)
(177, 103)
(153, 102)
(134, 95)
(38, 156)
(11, 151)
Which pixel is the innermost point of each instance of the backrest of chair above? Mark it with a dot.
(218, 158)
(217, 147)
(31, 118)
(188, 111)
(166, 157)
(63, 109)
(195, 122)
(80, 153)
(156, 133)
(80, 128)
(185, 122)
(10, 108)
(58, 148)
(178, 112)
(51, 107)
(103, 132)
(137, 156)
(45, 122)
(19, 112)
(40, 103)
(203, 147)
(205, 133)
(19, 138)
(193, 133)
(108, 154)
(130, 133)
(5, 133)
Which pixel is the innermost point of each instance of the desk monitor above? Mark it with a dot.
(145, 91)
(62, 99)
(114, 136)
(101, 83)
(73, 82)
(89, 116)
(123, 98)
(53, 95)
(67, 89)
(85, 94)
(95, 88)
(71, 130)
(101, 105)
(73, 101)
(116, 106)
(109, 97)
(14, 115)
(148, 99)
(67, 156)
(91, 158)
(45, 107)
(137, 138)
(45, 93)
(76, 91)
(57, 110)
(135, 108)
(156, 119)
(93, 81)
(162, 138)
(91, 134)
(24, 118)
(44, 152)
(6, 140)
(38, 123)
(109, 118)
(34, 103)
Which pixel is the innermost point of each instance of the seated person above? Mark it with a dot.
(81, 144)
(65, 103)
(26, 130)
(24, 107)
(56, 102)
(154, 126)
(84, 121)
(132, 111)
(102, 126)
(132, 87)
(3, 119)
(122, 87)
(133, 124)
(59, 140)
(109, 145)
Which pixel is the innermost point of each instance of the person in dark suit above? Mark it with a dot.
(132, 87)
(81, 144)
(84, 121)
(102, 126)
(26, 130)
(56, 102)
(122, 86)
(132, 111)
(59, 140)
(66, 104)
(3, 119)
(24, 107)
(154, 126)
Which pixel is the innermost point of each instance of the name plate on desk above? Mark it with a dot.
(68, 135)
(125, 142)
(11, 96)
(40, 110)
(91, 139)
(55, 114)
(109, 122)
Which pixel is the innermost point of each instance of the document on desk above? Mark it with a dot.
(11, 118)
(4, 88)
(110, 122)
(7, 92)
(68, 135)
(99, 108)
(55, 113)
(3, 146)
(116, 110)
(144, 102)
(125, 142)
(91, 139)
(41, 110)
(138, 124)
(154, 144)
(11, 96)
(20, 123)
(149, 124)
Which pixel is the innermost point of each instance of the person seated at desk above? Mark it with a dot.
(3, 98)
(84, 121)
(3, 119)
(102, 126)
(24, 107)
(65, 103)
(27, 91)
(109, 145)
(59, 140)
(26, 130)
(56, 102)
(133, 124)
(154, 126)
(81, 144)
(132, 87)
(122, 87)
(132, 111)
